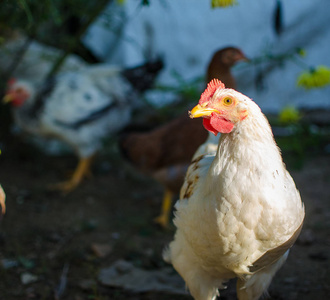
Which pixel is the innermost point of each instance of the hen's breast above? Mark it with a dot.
(237, 214)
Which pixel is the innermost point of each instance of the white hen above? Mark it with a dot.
(239, 210)
(80, 108)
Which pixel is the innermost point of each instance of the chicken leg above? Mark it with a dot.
(81, 171)
(163, 218)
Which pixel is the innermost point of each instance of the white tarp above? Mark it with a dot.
(187, 32)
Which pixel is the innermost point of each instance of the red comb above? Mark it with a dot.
(213, 85)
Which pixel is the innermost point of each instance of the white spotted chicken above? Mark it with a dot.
(80, 108)
(239, 210)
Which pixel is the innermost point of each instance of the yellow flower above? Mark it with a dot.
(314, 78)
(289, 114)
(223, 3)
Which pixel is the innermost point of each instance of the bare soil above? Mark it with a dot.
(44, 232)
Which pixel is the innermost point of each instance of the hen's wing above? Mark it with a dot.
(200, 161)
(195, 174)
(273, 255)
(298, 213)
(76, 101)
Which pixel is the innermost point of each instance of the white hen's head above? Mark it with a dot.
(18, 92)
(221, 108)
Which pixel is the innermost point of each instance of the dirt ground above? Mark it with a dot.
(44, 233)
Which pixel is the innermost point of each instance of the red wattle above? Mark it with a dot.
(217, 124)
(207, 125)
(18, 102)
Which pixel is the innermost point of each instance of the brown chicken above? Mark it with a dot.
(166, 151)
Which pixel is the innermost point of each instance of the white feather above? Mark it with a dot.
(236, 204)
(75, 97)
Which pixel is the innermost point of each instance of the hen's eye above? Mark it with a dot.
(227, 101)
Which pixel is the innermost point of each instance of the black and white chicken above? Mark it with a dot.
(80, 108)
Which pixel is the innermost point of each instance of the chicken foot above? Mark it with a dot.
(164, 217)
(81, 171)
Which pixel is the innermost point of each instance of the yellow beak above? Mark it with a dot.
(8, 98)
(199, 111)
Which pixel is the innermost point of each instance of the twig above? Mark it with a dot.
(63, 281)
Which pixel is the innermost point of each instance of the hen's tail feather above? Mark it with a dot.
(143, 76)
(258, 283)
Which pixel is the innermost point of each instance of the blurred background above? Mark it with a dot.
(99, 75)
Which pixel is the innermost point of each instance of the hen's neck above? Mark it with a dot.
(250, 145)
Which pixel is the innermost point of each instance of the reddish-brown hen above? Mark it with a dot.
(166, 151)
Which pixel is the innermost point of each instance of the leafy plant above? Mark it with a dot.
(59, 23)
(301, 141)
